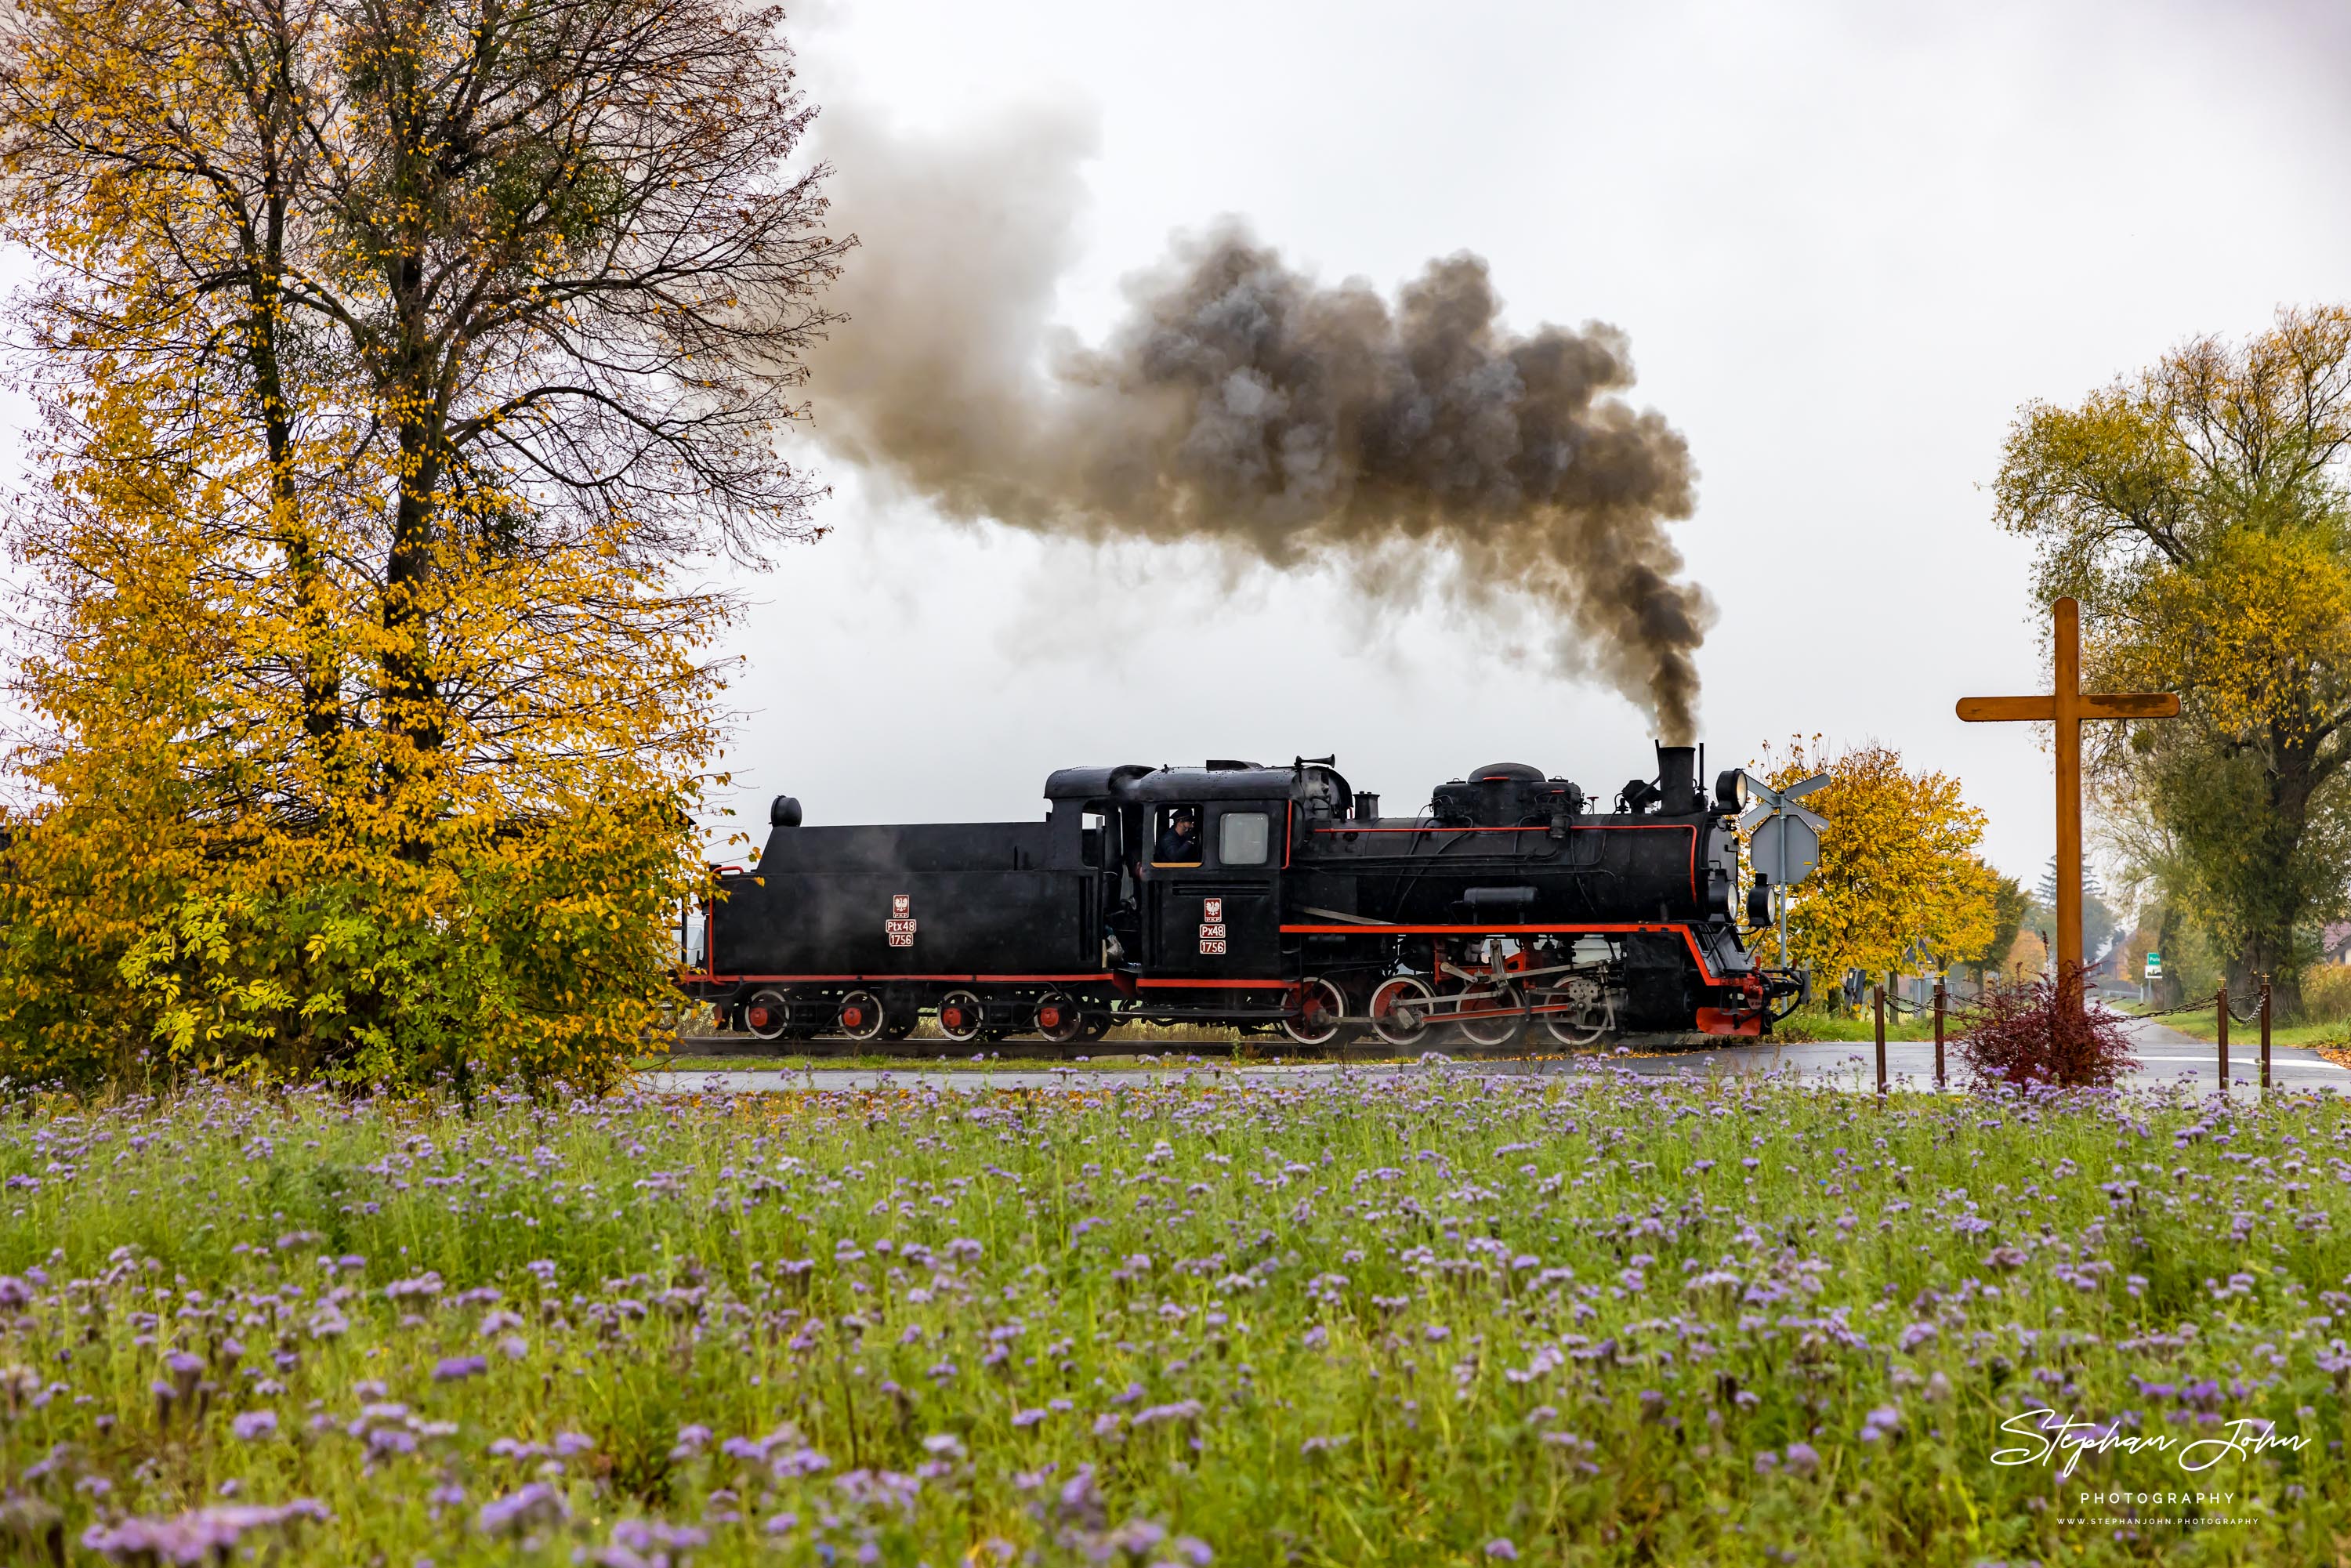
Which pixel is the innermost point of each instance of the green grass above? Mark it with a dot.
(1391, 1320)
(1814, 1025)
(2205, 1025)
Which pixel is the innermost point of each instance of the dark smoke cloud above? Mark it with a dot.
(1413, 442)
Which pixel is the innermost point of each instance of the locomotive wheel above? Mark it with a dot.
(1058, 1017)
(1585, 1019)
(767, 1015)
(1319, 1008)
(860, 1017)
(1400, 1025)
(962, 1019)
(898, 1021)
(1096, 1026)
(1504, 1006)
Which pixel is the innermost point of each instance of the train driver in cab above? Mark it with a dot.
(1179, 839)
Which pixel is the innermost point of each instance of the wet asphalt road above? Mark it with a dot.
(2166, 1058)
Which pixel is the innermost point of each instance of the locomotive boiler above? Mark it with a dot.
(1258, 897)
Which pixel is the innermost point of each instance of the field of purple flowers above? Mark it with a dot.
(1421, 1319)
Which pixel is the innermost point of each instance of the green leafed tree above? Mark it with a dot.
(2198, 510)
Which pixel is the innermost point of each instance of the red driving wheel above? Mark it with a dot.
(961, 1016)
(862, 1015)
(767, 1015)
(1059, 1019)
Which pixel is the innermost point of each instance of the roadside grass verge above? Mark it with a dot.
(2206, 1025)
(1810, 1025)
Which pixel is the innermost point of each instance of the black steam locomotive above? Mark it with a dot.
(1256, 897)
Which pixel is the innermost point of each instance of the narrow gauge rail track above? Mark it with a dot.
(1121, 1043)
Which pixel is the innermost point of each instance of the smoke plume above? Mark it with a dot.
(1413, 442)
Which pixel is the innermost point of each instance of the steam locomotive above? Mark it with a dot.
(1259, 897)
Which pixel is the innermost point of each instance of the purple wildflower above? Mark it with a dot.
(649, 1543)
(538, 1504)
(799, 1462)
(252, 1425)
(205, 1535)
(459, 1366)
(424, 1286)
(1081, 1502)
(383, 1442)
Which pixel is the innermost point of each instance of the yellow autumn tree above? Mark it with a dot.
(1899, 876)
(401, 365)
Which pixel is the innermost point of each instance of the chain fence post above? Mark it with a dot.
(2223, 1011)
(2265, 1034)
(1880, 991)
(1938, 1032)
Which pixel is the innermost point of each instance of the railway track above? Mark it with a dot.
(1036, 1048)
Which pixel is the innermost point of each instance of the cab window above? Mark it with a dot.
(1175, 837)
(1243, 838)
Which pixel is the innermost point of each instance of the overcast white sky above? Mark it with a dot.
(1846, 241)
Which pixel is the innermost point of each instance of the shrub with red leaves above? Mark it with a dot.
(2034, 1032)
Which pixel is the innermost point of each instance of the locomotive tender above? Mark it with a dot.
(1256, 897)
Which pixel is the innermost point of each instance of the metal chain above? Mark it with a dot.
(2206, 1004)
(1898, 1006)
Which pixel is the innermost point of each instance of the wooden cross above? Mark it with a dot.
(2068, 706)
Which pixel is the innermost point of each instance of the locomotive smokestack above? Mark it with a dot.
(1411, 440)
(1678, 780)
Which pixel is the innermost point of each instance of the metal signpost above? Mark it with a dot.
(1782, 838)
(2154, 973)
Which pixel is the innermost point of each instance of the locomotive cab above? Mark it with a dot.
(1208, 914)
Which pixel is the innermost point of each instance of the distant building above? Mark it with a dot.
(2335, 940)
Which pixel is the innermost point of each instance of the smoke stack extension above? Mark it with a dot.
(1678, 780)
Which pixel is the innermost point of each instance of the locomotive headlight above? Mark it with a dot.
(1730, 790)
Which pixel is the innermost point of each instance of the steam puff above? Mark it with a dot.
(1244, 403)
